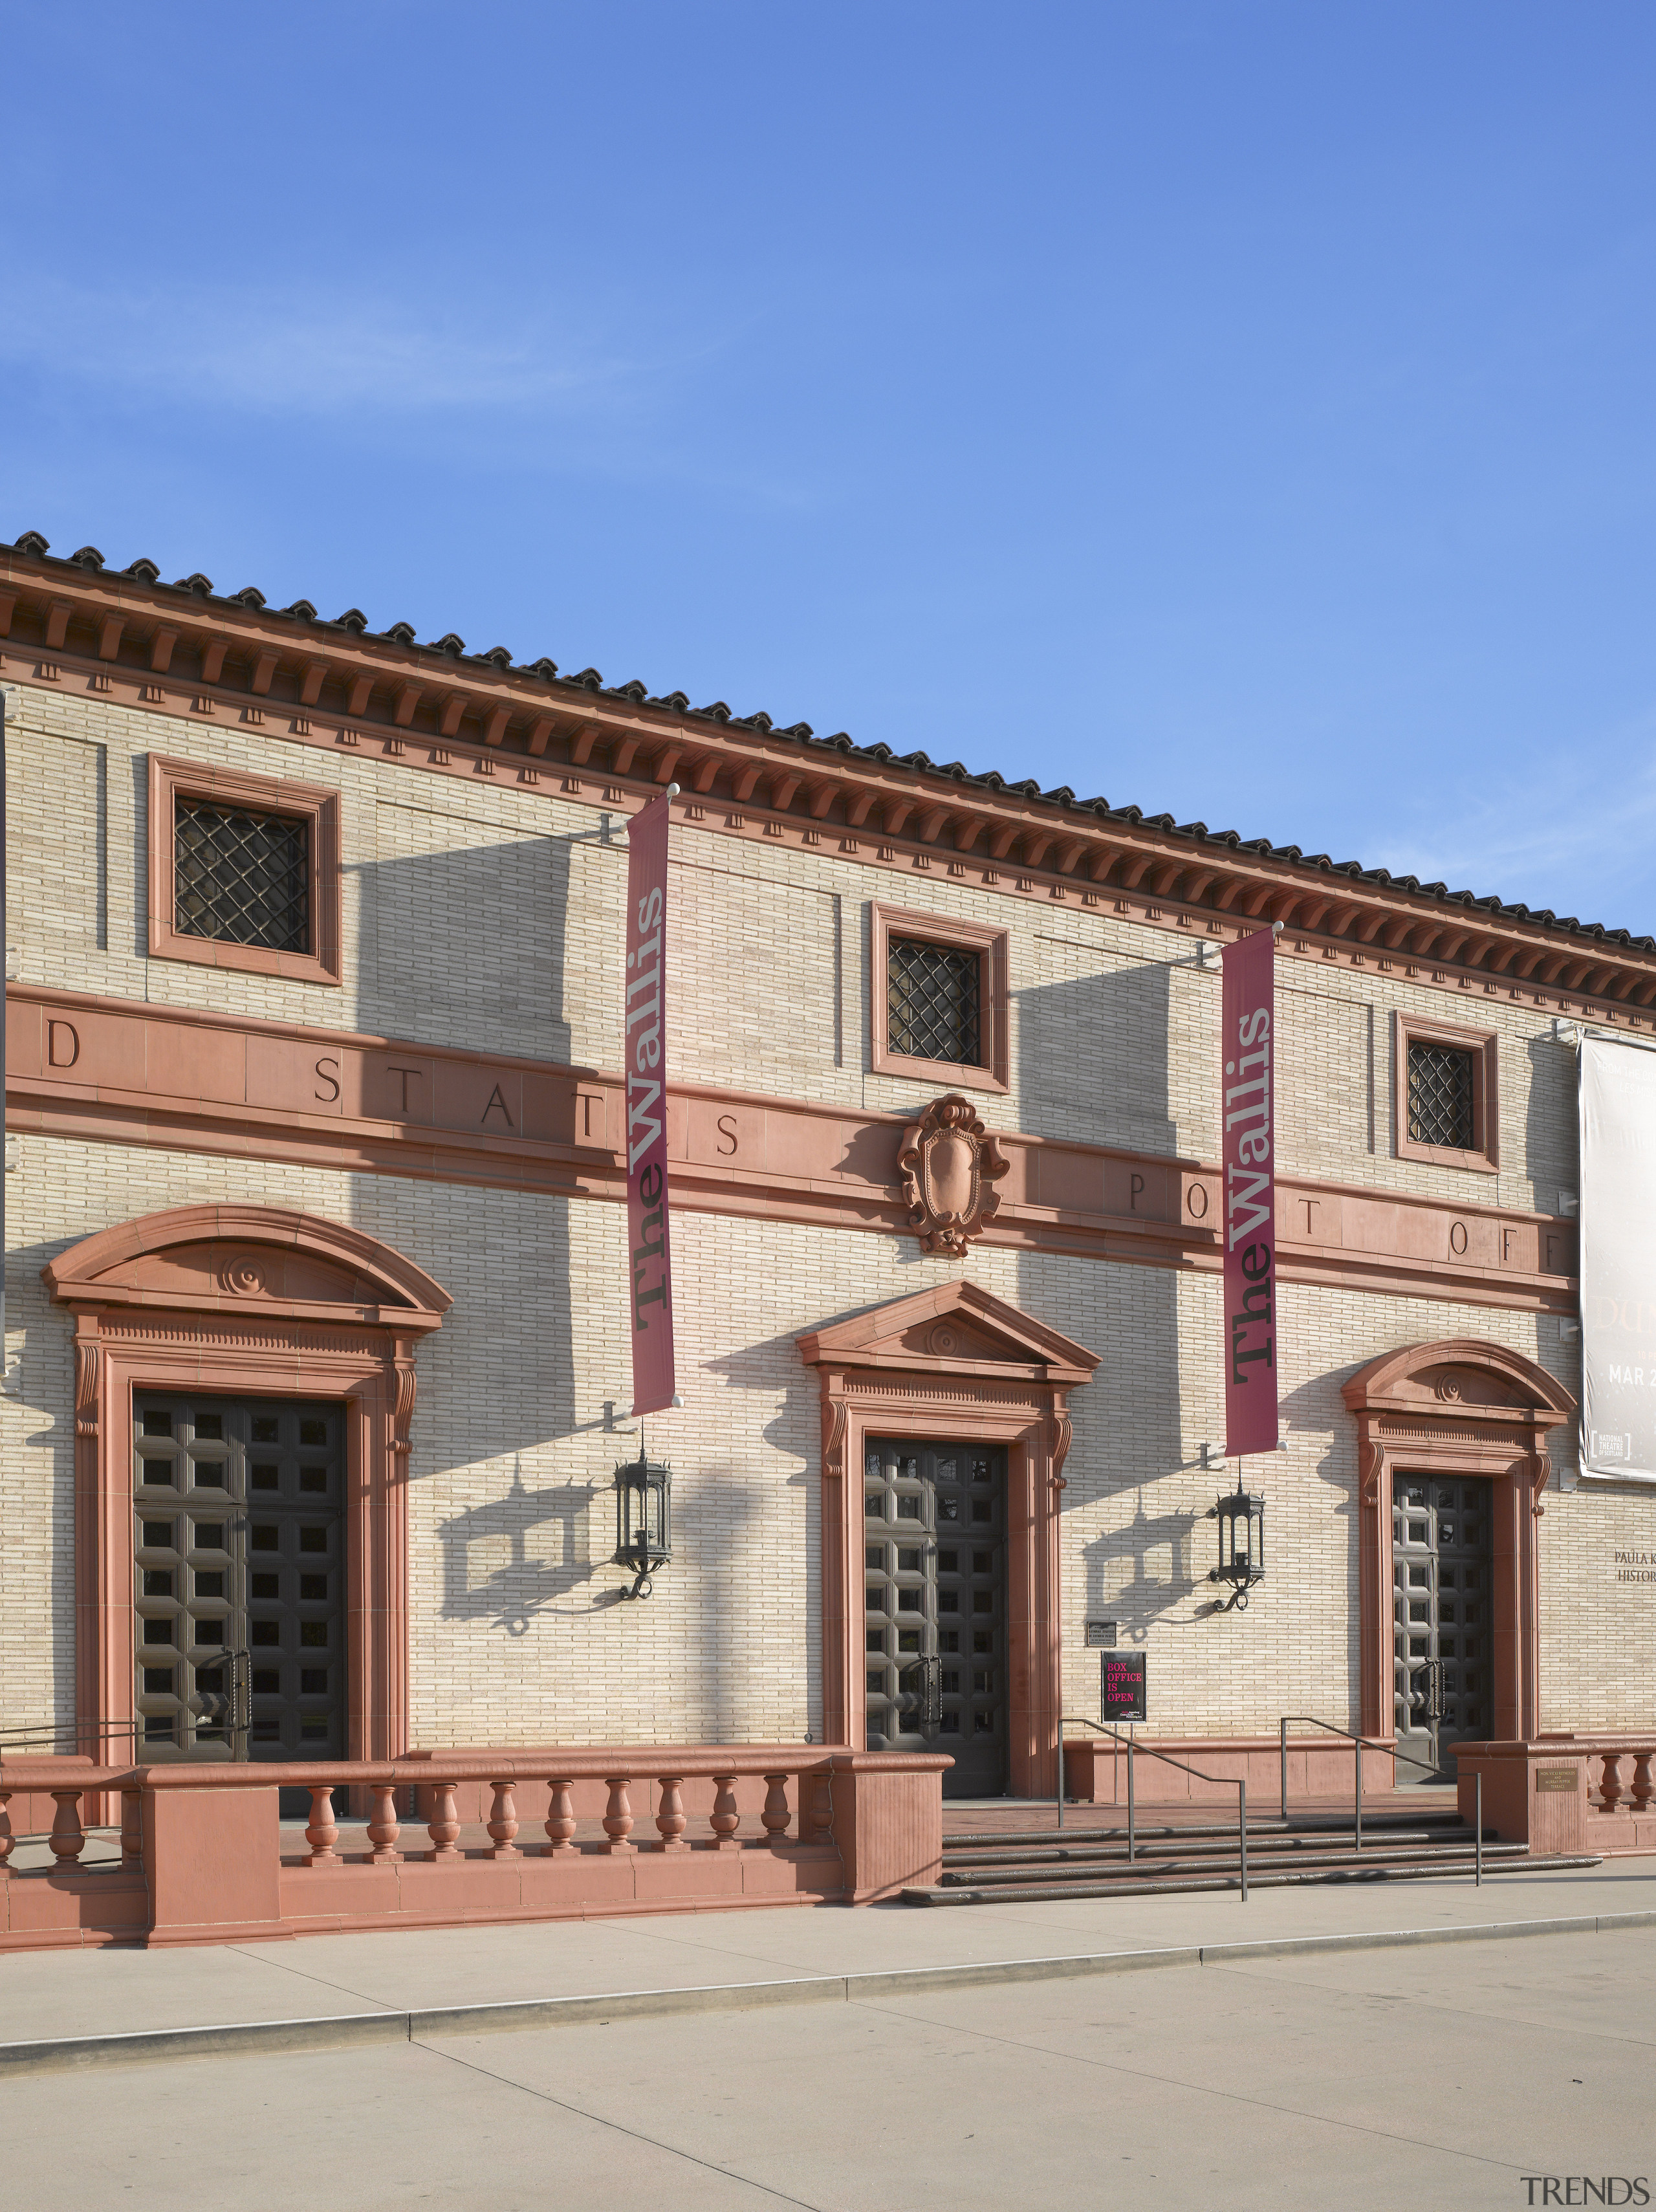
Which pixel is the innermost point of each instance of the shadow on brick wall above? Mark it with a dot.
(1093, 1061)
(479, 1585)
(468, 948)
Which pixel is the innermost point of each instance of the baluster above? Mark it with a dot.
(822, 1809)
(321, 1833)
(444, 1826)
(1611, 1787)
(725, 1818)
(131, 1830)
(8, 1841)
(775, 1816)
(382, 1828)
(671, 1819)
(560, 1820)
(503, 1823)
(618, 1815)
(1641, 1781)
(68, 1839)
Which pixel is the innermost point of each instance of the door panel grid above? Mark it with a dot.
(935, 1605)
(1441, 1597)
(239, 1571)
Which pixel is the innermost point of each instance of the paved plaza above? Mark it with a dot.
(1444, 2073)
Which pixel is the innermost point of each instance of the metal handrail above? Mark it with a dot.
(46, 1732)
(1222, 1781)
(1362, 1743)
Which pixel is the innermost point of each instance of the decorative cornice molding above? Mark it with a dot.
(155, 648)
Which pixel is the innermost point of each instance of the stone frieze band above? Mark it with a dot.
(109, 1070)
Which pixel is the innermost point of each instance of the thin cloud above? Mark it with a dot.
(306, 355)
(1584, 850)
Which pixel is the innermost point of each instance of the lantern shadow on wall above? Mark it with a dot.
(488, 1570)
(1146, 1594)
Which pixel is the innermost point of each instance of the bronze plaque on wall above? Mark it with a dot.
(1555, 1778)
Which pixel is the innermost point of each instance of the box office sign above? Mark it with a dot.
(650, 1292)
(1121, 1685)
(1617, 1103)
(1248, 1128)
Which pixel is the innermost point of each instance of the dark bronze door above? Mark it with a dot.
(1440, 1570)
(238, 1552)
(934, 1536)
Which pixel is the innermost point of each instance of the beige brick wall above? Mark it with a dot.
(479, 915)
(517, 1632)
(476, 915)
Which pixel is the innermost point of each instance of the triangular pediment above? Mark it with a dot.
(952, 1325)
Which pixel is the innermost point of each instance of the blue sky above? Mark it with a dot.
(1241, 409)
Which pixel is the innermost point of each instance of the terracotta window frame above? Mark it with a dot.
(991, 946)
(1484, 1157)
(313, 804)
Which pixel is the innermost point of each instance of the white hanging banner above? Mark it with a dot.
(1618, 1259)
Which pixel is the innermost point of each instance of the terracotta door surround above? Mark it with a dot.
(952, 1363)
(245, 1301)
(1457, 1407)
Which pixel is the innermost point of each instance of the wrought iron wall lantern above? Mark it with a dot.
(644, 1539)
(1241, 1519)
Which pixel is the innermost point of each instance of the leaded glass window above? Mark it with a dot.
(1441, 1097)
(934, 1002)
(241, 877)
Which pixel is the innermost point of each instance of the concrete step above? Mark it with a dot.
(1158, 1886)
(1259, 1824)
(1046, 1851)
(1177, 1864)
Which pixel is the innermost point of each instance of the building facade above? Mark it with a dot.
(316, 1348)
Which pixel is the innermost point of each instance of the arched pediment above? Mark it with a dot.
(954, 1325)
(1461, 1376)
(242, 1259)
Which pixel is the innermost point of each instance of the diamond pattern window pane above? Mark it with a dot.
(1441, 1097)
(242, 877)
(932, 999)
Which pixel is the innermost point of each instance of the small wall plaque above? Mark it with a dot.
(1100, 1635)
(1560, 1779)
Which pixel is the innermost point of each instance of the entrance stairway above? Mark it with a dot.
(1010, 1867)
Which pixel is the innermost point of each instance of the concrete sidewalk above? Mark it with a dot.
(724, 1961)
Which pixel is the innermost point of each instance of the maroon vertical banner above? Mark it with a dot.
(650, 1271)
(1248, 1092)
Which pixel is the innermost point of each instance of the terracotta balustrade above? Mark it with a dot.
(321, 1833)
(670, 1819)
(383, 1829)
(503, 1824)
(68, 1838)
(560, 1819)
(204, 1856)
(444, 1828)
(814, 1825)
(132, 1832)
(1624, 1782)
(618, 1816)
